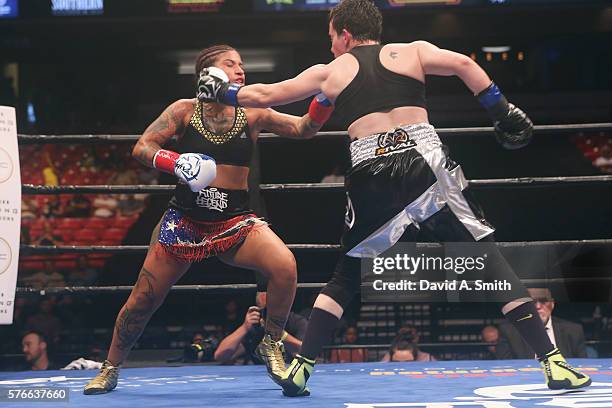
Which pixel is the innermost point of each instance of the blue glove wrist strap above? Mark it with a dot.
(231, 95)
(490, 96)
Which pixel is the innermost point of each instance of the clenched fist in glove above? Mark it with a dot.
(195, 169)
(214, 86)
(513, 128)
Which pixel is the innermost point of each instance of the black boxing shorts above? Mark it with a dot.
(400, 181)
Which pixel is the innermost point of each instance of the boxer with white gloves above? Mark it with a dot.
(209, 214)
(194, 169)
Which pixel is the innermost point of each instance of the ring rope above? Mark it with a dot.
(168, 188)
(71, 249)
(117, 249)
(56, 290)
(102, 138)
(440, 344)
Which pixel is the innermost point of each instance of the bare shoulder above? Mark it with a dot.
(180, 111)
(186, 106)
(411, 46)
(341, 60)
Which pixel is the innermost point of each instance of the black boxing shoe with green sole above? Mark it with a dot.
(295, 377)
(560, 375)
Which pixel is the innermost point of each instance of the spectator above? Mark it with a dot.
(24, 237)
(402, 351)
(490, 335)
(83, 275)
(411, 335)
(35, 349)
(49, 172)
(336, 176)
(124, 177)
(352, 355)
(78, 206)
(566, 336)
(28, 210)
(52, 207)
(231, 320)
(42, 279)
(70, 309)
(128, 204)
(201, 348)
(48, 236)
(241, 344)
(105, 206)
(604, 161)
(50, 176)
(44, 321)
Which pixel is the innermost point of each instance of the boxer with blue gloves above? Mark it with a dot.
(402, 180)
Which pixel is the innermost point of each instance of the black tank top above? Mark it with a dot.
(234, 147)
(375, 88)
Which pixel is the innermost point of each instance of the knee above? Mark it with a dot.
(285, 269)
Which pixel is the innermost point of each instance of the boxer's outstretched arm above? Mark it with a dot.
(295, 89)
(437, 61)
(285, 125)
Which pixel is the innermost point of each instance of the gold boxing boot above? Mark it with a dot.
(271, 352)
(560, 375)
(105, 381)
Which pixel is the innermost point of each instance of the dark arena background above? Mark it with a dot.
(86, 77)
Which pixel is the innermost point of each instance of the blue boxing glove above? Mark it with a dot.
(513, 128)
(214, 86)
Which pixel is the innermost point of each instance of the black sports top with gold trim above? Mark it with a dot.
(375, 88)
(233, 147)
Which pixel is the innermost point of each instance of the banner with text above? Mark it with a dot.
(10, 212)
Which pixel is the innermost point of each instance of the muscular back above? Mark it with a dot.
(402, 59)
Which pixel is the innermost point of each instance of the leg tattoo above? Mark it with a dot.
(131, 321)
(275, 326)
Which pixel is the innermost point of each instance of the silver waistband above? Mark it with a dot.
(397, 140)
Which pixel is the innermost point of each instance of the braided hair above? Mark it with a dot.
(208, 56)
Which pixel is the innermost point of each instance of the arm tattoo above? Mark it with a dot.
(177, 120)
(131, 322)
(160, 124)
(393, 54)
(146, 154)
(168, 124)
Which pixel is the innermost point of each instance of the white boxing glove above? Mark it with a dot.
(197, 170)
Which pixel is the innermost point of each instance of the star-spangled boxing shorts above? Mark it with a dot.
(206, 224)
